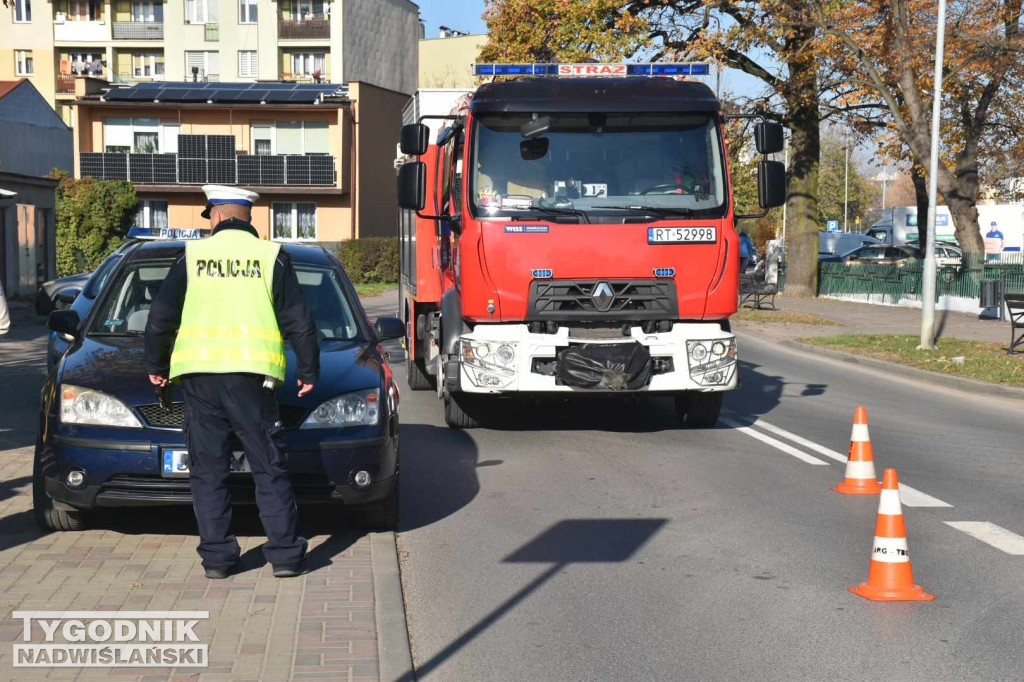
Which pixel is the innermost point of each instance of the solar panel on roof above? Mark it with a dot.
(146, 94)
(193, 96)
(321, 169)
(304, 96)
(277, 96)
(115, 94)
(251, 96)
(165, 168)
(171, 94)
(232, 86)
(192, 171)
(276, 86)
(221, 171)
(148, 85)
(192, 146)
(220, 146)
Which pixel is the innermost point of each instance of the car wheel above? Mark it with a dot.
(46, 515)
(698, 410)
(463, 411)
(380, 515)
(416, 374)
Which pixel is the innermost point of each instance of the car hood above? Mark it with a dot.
(117, 366)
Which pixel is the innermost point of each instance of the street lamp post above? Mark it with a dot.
(928, 283)
(846, 195)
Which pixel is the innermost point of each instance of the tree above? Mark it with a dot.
(772, 40)
(879, 47)
(832, 184)
(93, 218)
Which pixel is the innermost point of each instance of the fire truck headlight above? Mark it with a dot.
(489, 365)
(712, 362)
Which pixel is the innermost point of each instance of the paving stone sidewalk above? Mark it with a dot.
(321, 625)
(864, 318)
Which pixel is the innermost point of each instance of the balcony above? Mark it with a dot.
(246, 169)
(128, 78)
(66, 29)
(138, 30)
(314, 27)
(65, 84)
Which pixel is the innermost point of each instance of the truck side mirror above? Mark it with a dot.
(64, 322)
(768, 138)
(771, 184)
(415, 139)
(412, 185)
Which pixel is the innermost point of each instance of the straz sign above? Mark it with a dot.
(592, 70)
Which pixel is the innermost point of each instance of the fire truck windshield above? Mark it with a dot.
(602, 164)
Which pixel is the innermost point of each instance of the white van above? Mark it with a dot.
(899, 225)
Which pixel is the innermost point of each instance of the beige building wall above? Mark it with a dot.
(448, 62)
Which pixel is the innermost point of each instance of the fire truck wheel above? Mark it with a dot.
(463, 411)
(416, 375)
(698, 410)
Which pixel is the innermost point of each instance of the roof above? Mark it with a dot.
(8, 86)
(245, 94)
(158, 249)
(594, 94)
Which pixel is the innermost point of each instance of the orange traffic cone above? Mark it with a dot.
(890, 577)
(860, 463)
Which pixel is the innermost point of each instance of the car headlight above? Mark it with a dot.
(359, 408)
(86, 406)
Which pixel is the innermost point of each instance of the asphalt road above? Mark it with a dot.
(600, 542)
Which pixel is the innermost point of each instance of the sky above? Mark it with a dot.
(462, 15)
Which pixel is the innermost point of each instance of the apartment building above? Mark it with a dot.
(50, 42)
(320, 155)
(447, 61)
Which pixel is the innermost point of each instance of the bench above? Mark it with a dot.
(1015, 308)
(755, 290)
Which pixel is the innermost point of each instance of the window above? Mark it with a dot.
(294, 221)
(85, 10)
(151, 213)
(247, 12)
(147, 10)
(262, 139)
(302, 137)
(140, 136)
(201, 11)
(207, 63)
(247, 64)
(22, 11)
(148, 65)
(23, 59)
(308, 63)
(307, 9)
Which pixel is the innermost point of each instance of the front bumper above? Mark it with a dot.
(122, 473)
(534, 351)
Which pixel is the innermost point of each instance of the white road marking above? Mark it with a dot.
(777, 444)
(991, 534)
(912, 497)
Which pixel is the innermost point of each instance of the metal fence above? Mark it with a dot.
(902, 282)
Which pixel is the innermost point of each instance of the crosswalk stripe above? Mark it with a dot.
(777, 444)
(991, 534)
(912, 497)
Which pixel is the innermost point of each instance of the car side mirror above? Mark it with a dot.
(771, 184)
(415, 139)
(68, 296)
(64, 322)
(768, 137)
(389, 328)
(412, 185)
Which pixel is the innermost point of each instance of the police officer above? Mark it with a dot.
(229, 298)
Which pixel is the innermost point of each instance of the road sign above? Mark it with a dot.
(832, 225)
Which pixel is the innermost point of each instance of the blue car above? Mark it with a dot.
(107, 439)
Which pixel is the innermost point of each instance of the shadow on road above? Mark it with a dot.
(438, 468)
(760, 392)
(567, 542)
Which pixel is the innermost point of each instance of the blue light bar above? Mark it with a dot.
(166, 233)
(592, 70)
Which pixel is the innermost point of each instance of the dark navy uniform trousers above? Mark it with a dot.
(217, 405)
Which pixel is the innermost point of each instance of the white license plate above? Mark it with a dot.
(175, 463)
(682, 235)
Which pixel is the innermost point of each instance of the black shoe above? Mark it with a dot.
(290, 570)
(220, 572)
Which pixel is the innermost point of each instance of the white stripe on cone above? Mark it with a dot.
(889, 503)
(860, 434)
(855, 469)
(890, 550)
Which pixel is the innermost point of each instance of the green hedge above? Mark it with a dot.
(370, 260)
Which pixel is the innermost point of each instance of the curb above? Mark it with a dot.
(944, 380)
(393, 650)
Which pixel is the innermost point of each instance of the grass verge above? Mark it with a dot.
(781, 317)
(375, 289)
(981, 361)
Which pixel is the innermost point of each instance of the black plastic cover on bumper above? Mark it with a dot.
(605, 366)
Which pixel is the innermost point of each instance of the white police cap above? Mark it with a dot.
(224, 194)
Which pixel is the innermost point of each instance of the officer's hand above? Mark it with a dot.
(304, 388)
(158, 380)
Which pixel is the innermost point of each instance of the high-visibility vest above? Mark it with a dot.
(228, 323)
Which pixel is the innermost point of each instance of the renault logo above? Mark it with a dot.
(602, 295)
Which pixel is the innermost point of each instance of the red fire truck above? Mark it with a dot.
(568, 235)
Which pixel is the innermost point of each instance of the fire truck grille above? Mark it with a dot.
(603, 299)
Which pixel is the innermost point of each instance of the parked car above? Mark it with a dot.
(947, 254)
(58, 294)
(106, 439)
(832, 243)
(879, 254)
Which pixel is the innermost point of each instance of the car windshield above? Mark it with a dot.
(125, 310)
(99, 277)
(597, 163)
